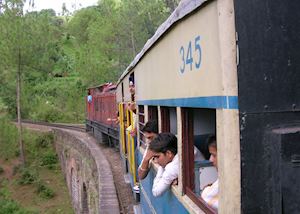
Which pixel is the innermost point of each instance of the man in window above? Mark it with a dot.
(150, 131)
(164, 148)
(210, 193)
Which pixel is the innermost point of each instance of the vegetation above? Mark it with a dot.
(58, 57)
(50, 60)
(41, 180)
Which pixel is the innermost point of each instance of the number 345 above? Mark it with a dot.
(187, 58)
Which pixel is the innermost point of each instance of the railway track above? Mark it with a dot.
(76, 127)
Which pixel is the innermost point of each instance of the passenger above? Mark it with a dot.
(89, 97)
(164, 148)
(150, 131)
(131, 87)
(132, 128)
(210, 193)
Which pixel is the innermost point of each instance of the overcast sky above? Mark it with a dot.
(57, 4)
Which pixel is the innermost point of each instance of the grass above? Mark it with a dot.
(40, 187)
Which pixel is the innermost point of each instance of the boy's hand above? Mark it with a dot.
(149, 155)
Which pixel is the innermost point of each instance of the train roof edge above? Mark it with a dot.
(104, 87)
(184, 8)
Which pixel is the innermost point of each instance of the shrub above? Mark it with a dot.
(8, 139)
(43, 141)
(11, 207)
(49, 158)
(28, 176)
(44, 191)
(17, 153)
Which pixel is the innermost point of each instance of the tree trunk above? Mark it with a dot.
(22, 155)
(133, 45)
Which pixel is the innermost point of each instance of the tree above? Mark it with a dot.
(13, 11)
(28, 49)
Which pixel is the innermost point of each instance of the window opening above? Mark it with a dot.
(152, 113)
(132, 86)
(165, 119)
(169, 119)
(122, 88)
(197, 126)
(141, 124)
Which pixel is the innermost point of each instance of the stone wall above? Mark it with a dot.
(87, 173)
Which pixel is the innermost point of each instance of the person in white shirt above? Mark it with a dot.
(210, 194)
(150, 131)
(164, 149)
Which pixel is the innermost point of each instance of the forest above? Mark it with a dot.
(54, 58)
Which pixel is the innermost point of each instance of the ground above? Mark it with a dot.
(27, 197)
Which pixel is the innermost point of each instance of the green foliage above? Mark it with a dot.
(108, 36)
(59, 57)
(8, 139)
(44, 191)
(9, 206)
(28, 176)
(44, 141)
(39, 149)
(49, 158)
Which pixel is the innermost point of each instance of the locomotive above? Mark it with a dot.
(223, 67)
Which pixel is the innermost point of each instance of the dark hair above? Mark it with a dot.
(211, 141)
(151, 127)
(164, 142)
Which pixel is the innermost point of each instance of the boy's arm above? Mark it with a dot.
(163, 180)
(144, 168)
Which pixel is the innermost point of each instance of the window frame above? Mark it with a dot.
(165, 119)
(188, 175)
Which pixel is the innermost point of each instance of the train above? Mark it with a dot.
(223, 67)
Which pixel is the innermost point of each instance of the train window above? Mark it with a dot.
(152, 113)
(197, 126)
(141, 123)
(132, 86)
(168, 119)
(122, 88)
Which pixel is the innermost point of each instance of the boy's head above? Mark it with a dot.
(212, 147)
(150, 130)
(165, 148)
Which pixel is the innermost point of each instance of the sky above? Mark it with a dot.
(57, 4)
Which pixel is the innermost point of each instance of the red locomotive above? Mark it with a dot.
(101, 113)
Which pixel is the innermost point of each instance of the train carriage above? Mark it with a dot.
(182, 80)
(101, 113)
(222, 67)
(186, 77)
